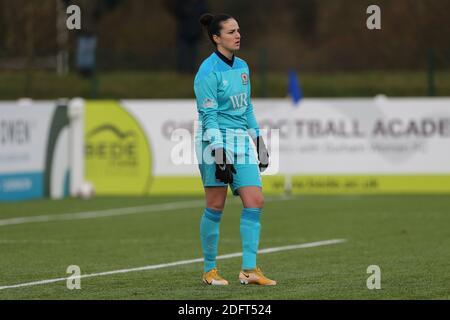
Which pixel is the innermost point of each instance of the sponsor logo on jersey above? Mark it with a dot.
(208, 103)
(239, 100)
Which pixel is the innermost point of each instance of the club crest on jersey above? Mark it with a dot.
(244, 78)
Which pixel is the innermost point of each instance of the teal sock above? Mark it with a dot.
(209, 234)
(250, 229)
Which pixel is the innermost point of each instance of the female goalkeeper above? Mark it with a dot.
(226, 119)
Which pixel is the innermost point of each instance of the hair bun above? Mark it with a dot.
(206, 19)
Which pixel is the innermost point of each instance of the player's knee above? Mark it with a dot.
(216, 205)
(216, 208)
(257, 201)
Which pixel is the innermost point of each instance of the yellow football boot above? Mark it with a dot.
(212, 278)
(255, 276)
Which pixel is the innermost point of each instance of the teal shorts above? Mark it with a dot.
(247, 170)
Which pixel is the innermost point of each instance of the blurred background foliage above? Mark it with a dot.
(140, 47)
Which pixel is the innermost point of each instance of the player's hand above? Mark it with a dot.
(263, 154)
(224, 169)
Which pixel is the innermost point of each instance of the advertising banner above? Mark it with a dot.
(33, 151)
(322, 146)
(118, 158)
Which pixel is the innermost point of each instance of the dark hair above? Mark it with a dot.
(213, 24)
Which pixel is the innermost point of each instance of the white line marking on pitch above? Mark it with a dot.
(178, 263)
(114, 212)
(104, 213)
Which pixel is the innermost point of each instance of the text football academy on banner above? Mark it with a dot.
(324, 145)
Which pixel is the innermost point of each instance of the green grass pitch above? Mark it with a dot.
(408, 237)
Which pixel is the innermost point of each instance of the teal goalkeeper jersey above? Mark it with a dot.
(222, 90)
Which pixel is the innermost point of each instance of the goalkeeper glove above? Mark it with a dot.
(224, 169)
(263, 154)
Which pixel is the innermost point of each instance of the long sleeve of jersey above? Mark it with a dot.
(207, 106)
(252, 124)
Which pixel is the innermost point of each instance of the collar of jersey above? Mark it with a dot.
(225, 59)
